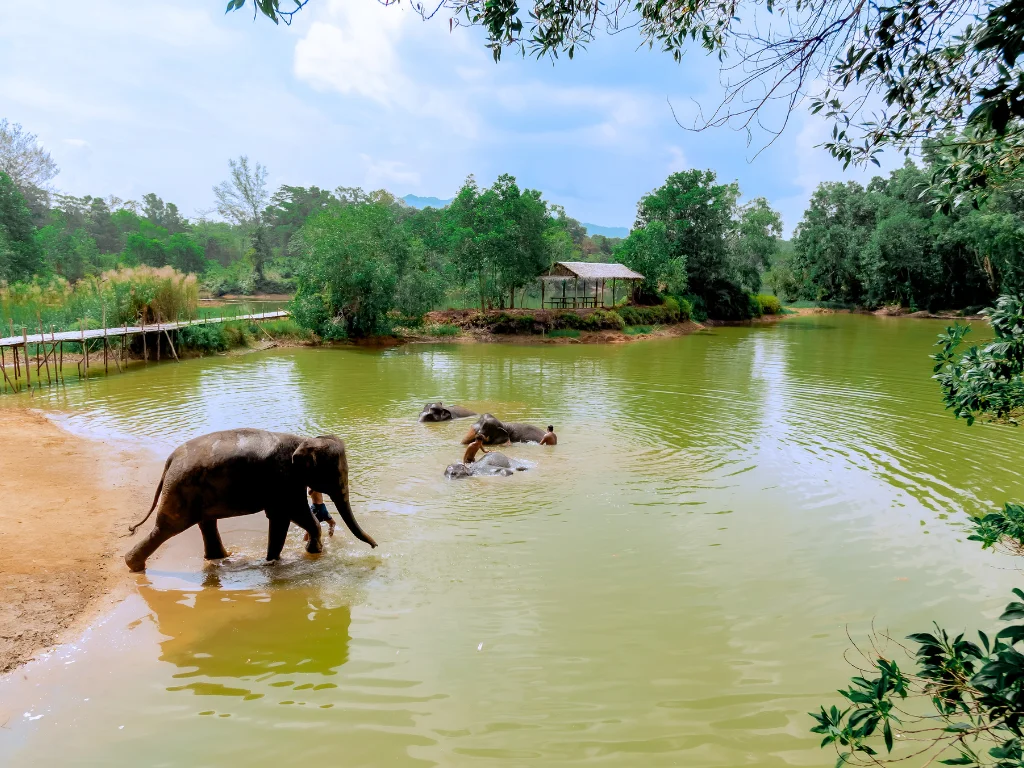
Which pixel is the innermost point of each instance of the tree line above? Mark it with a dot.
(887, 243)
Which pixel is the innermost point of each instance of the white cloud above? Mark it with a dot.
(385, 173)
(678, 161)
(77, 143)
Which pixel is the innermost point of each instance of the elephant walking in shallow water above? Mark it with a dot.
(241, 472)
(497, 432)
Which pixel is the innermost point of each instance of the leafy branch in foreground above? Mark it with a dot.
(975, 689)
(985, 380)
(1002, 530)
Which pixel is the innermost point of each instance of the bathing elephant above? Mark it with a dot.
(441, 412)
(497, 432)
(241, 472)
(492, 464)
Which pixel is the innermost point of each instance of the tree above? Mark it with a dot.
(888, 75)
(830, 240)
(350, 261)
(648, 251)
(290, 207)
(20, 256)
(242, 199)
(27, 164)
(698, 214)
(757, 242)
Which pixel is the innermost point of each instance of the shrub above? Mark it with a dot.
(203, 338)
(285, 327)
(769, 304)
(665, 314)
(565, 333)
(443, 329)
(637, 330)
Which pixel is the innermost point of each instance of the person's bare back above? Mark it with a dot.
(550, 438)
(471, 450)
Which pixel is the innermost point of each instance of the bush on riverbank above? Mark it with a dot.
(564, 333)
(769, 305)
(220, 337)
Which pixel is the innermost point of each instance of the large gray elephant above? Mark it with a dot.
(441, 412)
(497, 432)
(493, 463)
(241, 472)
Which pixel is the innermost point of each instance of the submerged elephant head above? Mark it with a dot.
(457, 471)
(490, 428)
(323, 467)
(435, 412)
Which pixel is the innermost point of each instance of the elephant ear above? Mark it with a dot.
(305, 454)
(503, 434)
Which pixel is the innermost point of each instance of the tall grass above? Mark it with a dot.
(126, 295)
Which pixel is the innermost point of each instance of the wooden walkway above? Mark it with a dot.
(49, 348)
(127, 330)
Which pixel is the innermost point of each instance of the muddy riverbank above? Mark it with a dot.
(66, 502)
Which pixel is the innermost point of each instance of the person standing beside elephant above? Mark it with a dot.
(550, 438)
(320, 511)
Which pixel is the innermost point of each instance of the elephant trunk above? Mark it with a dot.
(345, 510)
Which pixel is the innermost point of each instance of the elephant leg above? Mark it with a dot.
(278, 532)
(141, 552)
(303, 518)
(213, 547)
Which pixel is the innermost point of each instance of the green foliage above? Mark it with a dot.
(20, 257)
(204, 338)
(975, 689)
(883, 245)
(499, 238)
(351, 262)
(637, 330)
(987, 379)
(443, 329)
(768, 305)
(564, 333)
(665, 314)
(648, 251)
(1004, 528)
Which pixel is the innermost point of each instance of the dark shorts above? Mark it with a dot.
(320, 512)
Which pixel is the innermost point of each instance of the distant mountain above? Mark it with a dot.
(416, 201)
(597, 229)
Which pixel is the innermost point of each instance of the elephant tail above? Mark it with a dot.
(159, 489)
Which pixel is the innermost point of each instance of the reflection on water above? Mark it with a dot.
(250, 637)
(671, 585)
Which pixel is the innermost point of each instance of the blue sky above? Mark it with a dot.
(153, 96)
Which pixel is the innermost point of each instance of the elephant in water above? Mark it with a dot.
(492, 464)
(240, 472)
(496, 432)
(441, 412)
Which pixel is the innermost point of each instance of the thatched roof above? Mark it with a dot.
(586, 270)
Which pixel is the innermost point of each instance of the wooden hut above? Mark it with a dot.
(574, 284)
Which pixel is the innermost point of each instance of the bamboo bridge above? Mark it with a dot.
(49, 348)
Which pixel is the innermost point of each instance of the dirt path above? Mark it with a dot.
(64, 503)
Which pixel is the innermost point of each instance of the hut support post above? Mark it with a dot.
(542, 284)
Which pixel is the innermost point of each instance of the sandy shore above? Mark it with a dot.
(66, 503)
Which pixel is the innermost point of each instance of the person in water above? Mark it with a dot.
(471, 450)
(319, 511)
(550, 438)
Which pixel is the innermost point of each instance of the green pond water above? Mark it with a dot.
(671, 585)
